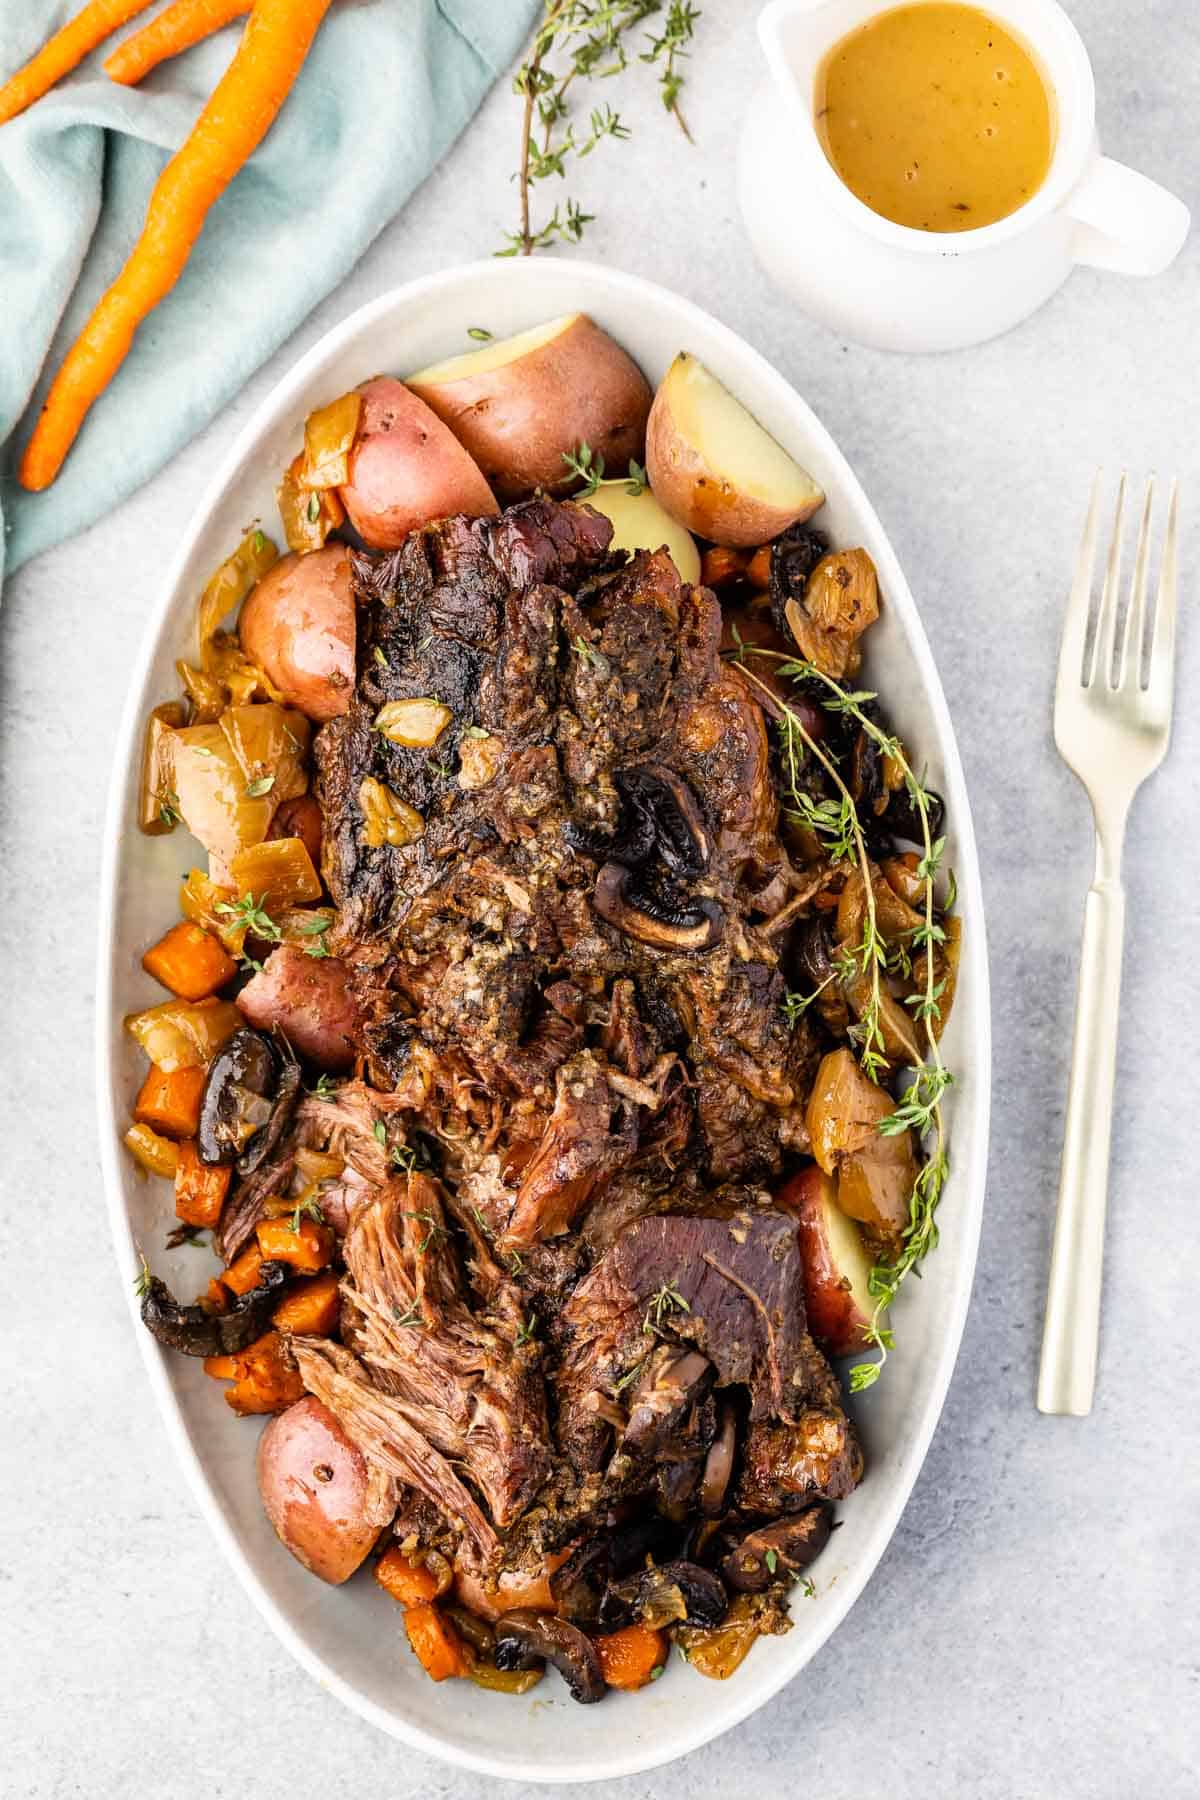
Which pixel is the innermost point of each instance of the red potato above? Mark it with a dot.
(406, 468)
(315, 1490)
(519, 403)
(516, 1589)
(713, 466)
(298, 627)
(309, 998)
(300, 818)
(837, 1269)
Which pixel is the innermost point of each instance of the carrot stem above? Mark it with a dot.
(238, 116)
(64, 52)
(184, 23)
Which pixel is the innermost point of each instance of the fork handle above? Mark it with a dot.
(1069, 1342)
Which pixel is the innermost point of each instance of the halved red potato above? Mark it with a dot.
(300, 818)
(515, 1589)
(837, 1269)
(297, 625)
(639, 522)
(714, 467)
(315, 1488)
(518, 404)
(406, 468)
(309, 998)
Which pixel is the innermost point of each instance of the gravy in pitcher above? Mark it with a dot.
(935, 117)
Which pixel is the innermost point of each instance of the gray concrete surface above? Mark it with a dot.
(1032, 1632)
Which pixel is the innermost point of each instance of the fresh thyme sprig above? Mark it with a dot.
(667, 1299)
(920, 1111)
(842, 835)
(253, 915)
(588, 653)
(434, 1229)
(588, 465)
(307, 1209)
(585, 40)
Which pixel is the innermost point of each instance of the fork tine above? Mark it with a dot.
(1129, 665)
(1162, 641)
(1099, 663)
(1079, 602)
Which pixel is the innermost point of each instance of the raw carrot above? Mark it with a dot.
(311, 1309)
(65, 51)
(437, 1645)
(183, 24)
(200, 1189)
(238, 116)
(406, 1581)
(171, 1103)
(242, 1275)
(630, 1657)
(309, 1248)
(189, 961)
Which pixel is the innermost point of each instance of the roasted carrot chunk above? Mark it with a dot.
(189, 961)
(406, 1581)
(308, 1247)
(262, 1381)
(200, 1190)
(720, 565)
(629, 1658)
(311, 1309)
(215, 1298)
(242, 1275)
(438, 1647)
(758, 570)
(171, 1103)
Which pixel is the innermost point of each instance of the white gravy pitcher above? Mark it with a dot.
(902, 289)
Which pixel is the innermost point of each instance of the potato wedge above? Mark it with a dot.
(407, 468)
(639, 522)
(713, 466)
(837, 1269)
(519, 403)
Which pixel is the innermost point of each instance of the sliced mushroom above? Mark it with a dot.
(676, 1483)
(659, 814)
(718, 1464)
(287, 1093)
(794, 556)
(671, 1384)
(663, 923)
(194, 1331)
(252, 1085)
(669, 1593)
(778, 1552)
(631, 844)
(680, 834)
(578, 1585)
(523, 1639)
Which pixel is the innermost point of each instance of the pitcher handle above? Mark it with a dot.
(1124, 221)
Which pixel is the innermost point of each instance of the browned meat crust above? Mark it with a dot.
(571, 998)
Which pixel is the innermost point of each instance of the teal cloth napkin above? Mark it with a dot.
(387, 87)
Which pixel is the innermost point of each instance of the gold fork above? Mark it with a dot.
(1112, 723)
